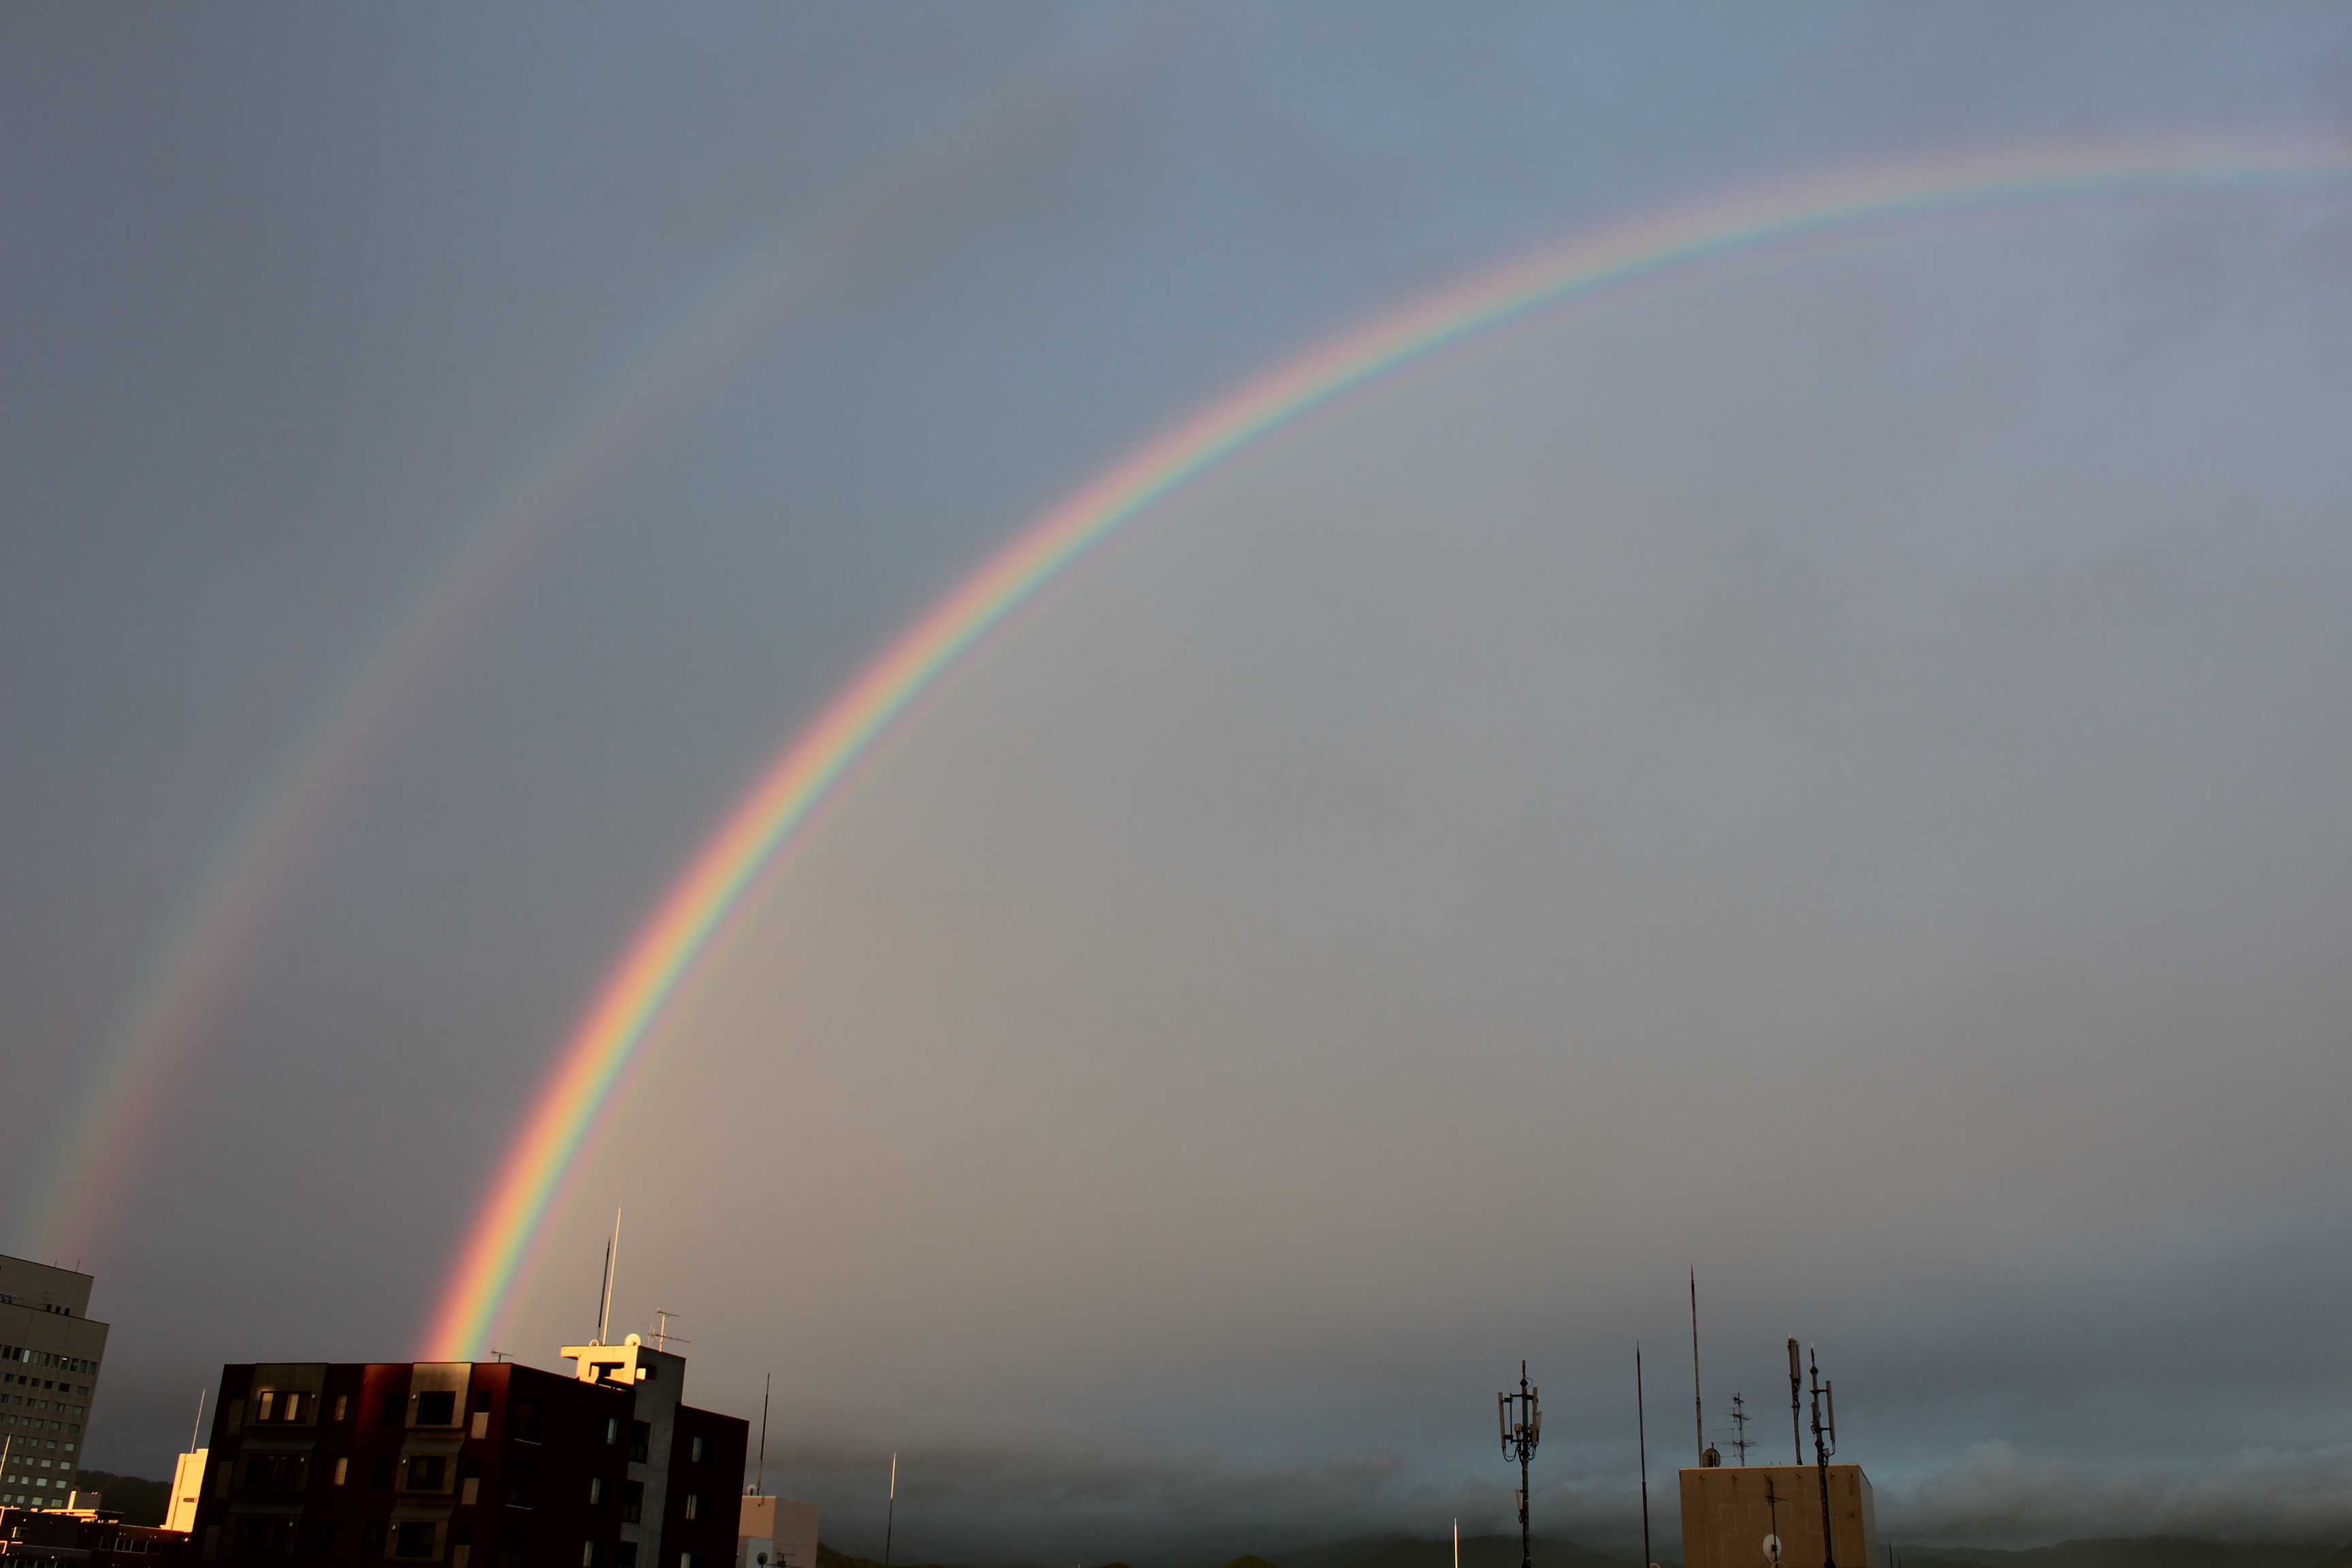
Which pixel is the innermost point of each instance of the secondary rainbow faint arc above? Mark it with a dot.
(632, 994)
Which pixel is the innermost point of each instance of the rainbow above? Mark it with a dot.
(533, 1175)
(107, 1132)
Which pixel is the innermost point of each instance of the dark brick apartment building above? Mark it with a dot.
(471, 1464)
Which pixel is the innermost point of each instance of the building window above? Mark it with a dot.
(413, 1538)
(641, 1438)
(262, 1537)
(595, 1491)
(343, 1407)
(275, 1472)
(262, 1401)
(370, 1540)
(519, 1485)
(590, 1554)
(524, 1423)
(686, 1560)
(696, 1450)
(395, 1406)
(425, 1473)
(632, 1502)
(693, 1505)
(612, 1430)
(513, 1543)
(437, 1407)
(342, 1471)
(624, 1555)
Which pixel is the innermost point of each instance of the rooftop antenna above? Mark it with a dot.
(1698, 1410)
(1824, 1444)
(662, 1336)
(196, 1437)
(890, 1514)
(1796, 1387)
(762, 1484)
(1522, 1422)
(612, 1268)
(1641, 1438)
(1740, 1442)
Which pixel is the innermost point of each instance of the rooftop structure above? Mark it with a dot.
(1729, 1511)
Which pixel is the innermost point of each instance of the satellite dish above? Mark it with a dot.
(1771, 1548)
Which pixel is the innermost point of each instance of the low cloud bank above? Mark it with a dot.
(1997, 1495)
(1060, 1496)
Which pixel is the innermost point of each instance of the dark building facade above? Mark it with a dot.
(471, 1464)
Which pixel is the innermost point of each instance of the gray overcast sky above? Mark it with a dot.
(1871, 718)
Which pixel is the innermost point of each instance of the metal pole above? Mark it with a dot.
(760, 1485)
(1698, 1410)
(890, 1514)
(1641, 1438)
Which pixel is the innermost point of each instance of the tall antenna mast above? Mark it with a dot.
(1698, 1410)
(762, 1484)
(603, 1287)
(1740, 1418)
(890, 1514)
(1824, 1444)
(1796, 1389)
(1521, 1419)
(612, 1272)
(1641, 1437)
(196, 1437)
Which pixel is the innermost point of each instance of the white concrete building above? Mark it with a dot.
(50, 1356)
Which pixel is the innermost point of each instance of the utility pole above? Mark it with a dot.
(1824, 1444)
(1522, 1424)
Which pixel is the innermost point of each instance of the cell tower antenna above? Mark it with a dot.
(1796, 1390)
(1741, 1442)
(1520, 1416)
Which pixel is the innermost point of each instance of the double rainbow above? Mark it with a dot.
(613, 1030)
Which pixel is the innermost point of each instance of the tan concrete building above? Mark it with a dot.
(776, 1532)
(1728, 1510)
(49, 1353)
